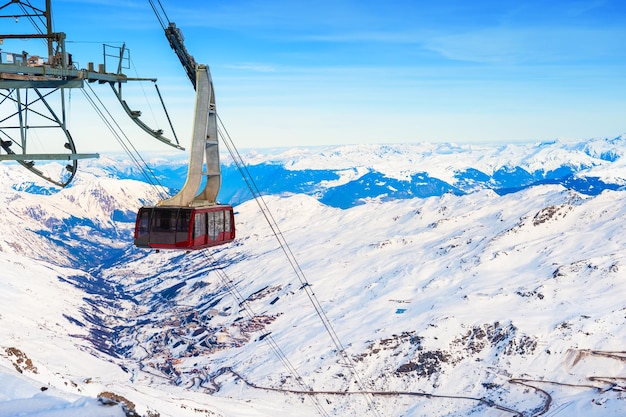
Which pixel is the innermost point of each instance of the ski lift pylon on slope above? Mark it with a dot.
(191, 220)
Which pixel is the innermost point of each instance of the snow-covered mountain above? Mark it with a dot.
(417, 280)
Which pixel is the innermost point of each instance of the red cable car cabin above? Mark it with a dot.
(185, 228)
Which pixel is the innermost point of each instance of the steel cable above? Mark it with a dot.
(232, 289)
(125, 143)
(256, 193)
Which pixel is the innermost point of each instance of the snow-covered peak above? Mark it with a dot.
(443, 160)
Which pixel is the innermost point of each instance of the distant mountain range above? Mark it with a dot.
(345, 176)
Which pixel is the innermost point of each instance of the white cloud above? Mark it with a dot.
(530, 44)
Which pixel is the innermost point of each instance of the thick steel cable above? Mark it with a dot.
(234, 292)
(248, 179)
(126, 144)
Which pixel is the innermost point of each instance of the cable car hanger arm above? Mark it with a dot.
(204, 149)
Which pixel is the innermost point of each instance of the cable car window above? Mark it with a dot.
(199, 225)
(182, 228)
(184, 218)
(227, 226)
(164, 220)
(219, 221)
(212, 229)
(143, 226)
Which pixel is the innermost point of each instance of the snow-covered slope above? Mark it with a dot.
(47, 360)
(473, 303)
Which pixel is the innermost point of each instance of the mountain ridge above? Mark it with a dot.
(347, 175)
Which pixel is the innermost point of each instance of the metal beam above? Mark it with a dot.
(41, 83)
(47, 156)
(32, 36)
(12, 72)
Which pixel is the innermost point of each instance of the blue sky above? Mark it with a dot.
(291, 72)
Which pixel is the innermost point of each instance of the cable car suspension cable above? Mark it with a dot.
(242, 167)
(29, 16)
(34, 12)
(167, 115)
(158, 15)
(232, 289)
(125, 143)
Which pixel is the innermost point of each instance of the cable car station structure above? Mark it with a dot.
(33, 93)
